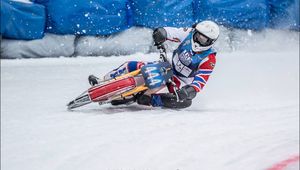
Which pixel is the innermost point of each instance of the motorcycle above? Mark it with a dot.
(150, 78)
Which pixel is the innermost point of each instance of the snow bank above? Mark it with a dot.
(138, 39)
(50, 46)
(24, 1)
(127, 42)
(266, 40)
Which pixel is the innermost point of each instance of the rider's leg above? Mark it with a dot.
(122, 69)
(167, 100)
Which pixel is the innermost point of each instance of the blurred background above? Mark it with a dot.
(54, 28)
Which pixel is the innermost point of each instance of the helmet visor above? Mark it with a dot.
(202, 39)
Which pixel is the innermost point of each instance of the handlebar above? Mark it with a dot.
(162, 53)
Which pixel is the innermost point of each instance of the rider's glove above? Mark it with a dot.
(159, 36)
(187, 92)
(194, 25)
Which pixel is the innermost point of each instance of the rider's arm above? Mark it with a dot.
(186, 93)
(204, 70)
(161, 34)
(177, 34)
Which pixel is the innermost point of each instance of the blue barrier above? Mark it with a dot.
(246, 14)
(86, 17)
(149, 13)
(22, 20)
(105, 17)
(284, 14)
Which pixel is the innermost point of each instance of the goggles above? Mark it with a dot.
(202, 39)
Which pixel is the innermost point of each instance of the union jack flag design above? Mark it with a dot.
(204, 70)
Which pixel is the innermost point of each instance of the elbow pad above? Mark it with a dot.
(159, 36)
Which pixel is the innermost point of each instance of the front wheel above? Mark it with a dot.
(81, 100)
(103, 93)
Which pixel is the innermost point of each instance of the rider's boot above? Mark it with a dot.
(93, 80)
(121, 70)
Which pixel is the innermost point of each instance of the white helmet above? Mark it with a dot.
(204, 35)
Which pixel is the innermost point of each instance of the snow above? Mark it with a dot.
(127, 42)
(23, 1)
(246, 118)
(50, 45)
(139, 39)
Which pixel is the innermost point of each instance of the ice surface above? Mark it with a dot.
(246, 118)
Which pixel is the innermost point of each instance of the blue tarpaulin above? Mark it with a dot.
(104, 17)
(149, 13)
(284, 14)
(246, 14)
(86, 17)
(22, 20)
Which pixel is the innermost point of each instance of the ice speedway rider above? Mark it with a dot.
(192, 63)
